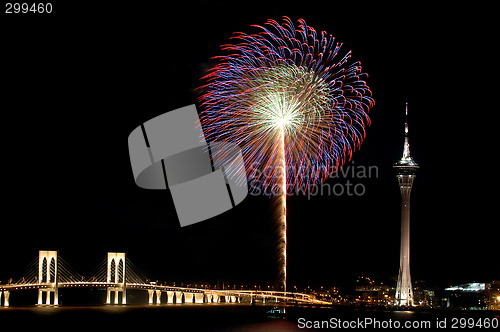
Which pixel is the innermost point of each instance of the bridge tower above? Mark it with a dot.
(116, 268)
(47, 276)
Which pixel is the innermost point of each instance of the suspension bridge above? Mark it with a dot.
(49, 272)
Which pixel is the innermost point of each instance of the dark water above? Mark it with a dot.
(228, 317)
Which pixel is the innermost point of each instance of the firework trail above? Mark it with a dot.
(291, 102)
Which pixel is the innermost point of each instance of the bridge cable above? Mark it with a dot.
(66, 273)
(133, 275)
(99, 273)
(29, 274)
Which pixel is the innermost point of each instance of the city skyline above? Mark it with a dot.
(70, 185)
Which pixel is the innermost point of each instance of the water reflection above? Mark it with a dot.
(211, 317)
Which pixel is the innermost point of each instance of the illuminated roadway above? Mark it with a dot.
(252, 294)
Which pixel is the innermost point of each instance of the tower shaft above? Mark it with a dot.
(404, 290)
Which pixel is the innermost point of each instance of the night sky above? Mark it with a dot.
(74, 85)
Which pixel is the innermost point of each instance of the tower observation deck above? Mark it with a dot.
(406, 169)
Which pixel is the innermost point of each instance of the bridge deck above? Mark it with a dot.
(300, 297)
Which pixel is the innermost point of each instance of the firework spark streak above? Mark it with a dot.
(295, 106)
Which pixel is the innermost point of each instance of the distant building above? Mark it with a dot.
(328, 294)
(494, 295)
(370, 292)
(472, 296)
(424, 295)
(429, 299)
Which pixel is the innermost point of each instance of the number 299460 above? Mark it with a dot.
(28, 8)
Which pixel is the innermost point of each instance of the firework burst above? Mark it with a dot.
(293, 104)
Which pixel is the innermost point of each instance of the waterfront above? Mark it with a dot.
(234, 317)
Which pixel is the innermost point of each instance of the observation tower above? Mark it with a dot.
(406, 169)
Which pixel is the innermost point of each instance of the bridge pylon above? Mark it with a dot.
(151, 294)
(47, 276)
(116, 269)
(6, 295)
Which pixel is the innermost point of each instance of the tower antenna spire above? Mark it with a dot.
(406, 148)
(406, 120)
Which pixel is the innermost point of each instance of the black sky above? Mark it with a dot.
(76, 84)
